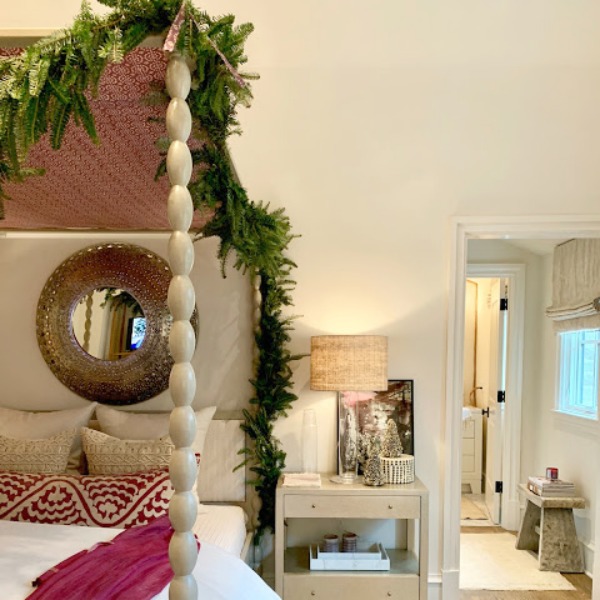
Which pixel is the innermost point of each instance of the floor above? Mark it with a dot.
(582, 583)
(478, 500)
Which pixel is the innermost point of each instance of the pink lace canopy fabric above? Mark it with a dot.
(110, 185)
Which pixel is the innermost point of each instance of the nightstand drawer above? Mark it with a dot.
(341, 506)
(354, 587)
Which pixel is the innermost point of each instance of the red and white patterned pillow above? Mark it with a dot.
(96, 500)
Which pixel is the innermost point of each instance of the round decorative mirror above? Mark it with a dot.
(103, 323)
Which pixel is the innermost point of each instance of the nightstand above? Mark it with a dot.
(304, 514)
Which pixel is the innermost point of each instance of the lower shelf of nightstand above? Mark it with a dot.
(402, 581)
(402, 562)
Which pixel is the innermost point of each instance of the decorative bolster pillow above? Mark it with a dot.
(96, 500)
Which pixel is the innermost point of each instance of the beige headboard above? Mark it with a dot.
(219, 481)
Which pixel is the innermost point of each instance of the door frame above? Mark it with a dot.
(511, 443)
(463, 229)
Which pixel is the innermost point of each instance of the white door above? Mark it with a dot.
(497, 383)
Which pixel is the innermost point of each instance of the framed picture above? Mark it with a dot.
(374, 409)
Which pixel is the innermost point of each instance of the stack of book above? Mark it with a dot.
(550, 487)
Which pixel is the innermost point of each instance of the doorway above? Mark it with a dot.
(489, 309)
(464, 230)
(499, 375)
(484, 394)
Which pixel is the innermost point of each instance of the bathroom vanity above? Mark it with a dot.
(472, 448)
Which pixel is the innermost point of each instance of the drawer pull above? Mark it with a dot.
(389, 594)
(390, 506)
(314, 506)
(313, 593)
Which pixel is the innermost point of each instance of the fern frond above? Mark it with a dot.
(59, 124)
(84, 113)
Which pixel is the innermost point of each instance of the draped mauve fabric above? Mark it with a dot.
(133, 566)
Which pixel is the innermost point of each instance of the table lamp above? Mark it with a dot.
(348, 363)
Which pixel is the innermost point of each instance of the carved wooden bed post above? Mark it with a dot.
(183, 551)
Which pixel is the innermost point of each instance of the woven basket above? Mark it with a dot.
(398, 470)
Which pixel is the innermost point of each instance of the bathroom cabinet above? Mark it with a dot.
(472, 448)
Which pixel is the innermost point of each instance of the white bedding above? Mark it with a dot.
(223, 526)
(29, 549)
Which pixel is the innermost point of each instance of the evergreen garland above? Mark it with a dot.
(48, 84)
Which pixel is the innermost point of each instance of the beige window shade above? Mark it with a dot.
(576, 286)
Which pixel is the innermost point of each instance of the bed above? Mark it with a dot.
(29, 548)
(133, 482)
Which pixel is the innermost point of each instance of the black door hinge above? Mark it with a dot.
(503, 303)
(501, 397)
(498, 488)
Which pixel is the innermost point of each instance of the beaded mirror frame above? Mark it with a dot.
(146, 276)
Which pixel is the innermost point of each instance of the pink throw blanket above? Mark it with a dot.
(133, 566)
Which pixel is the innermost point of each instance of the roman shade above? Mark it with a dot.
(576, 285)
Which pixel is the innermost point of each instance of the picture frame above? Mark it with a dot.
(373, 409)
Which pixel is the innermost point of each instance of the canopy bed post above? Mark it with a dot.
(183, 550)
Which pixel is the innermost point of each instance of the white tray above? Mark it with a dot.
(374, 558)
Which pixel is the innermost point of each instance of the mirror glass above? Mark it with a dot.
(109, 323)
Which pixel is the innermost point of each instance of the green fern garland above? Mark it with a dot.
(45, 86)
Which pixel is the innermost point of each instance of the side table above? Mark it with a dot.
(401, 503)
(548, 528)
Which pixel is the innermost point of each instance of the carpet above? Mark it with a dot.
(469, 510)
(490, 561)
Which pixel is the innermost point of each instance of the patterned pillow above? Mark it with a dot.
(107, 455)
(49, 455)
(26, 425)
(101, 501)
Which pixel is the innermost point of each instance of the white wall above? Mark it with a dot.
(372, 125)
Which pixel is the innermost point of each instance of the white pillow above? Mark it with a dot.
(144, 426)
(25, 425)
(108, 455)
(48, 455)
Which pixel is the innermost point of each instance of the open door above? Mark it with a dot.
(497, 387)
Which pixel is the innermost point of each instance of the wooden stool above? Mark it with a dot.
(548, 528)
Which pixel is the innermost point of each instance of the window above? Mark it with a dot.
(578, 373)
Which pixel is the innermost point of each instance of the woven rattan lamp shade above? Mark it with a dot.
(348, 363)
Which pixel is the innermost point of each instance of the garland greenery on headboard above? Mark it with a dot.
(45, 86)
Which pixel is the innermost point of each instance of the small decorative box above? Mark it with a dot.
(398, 470)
